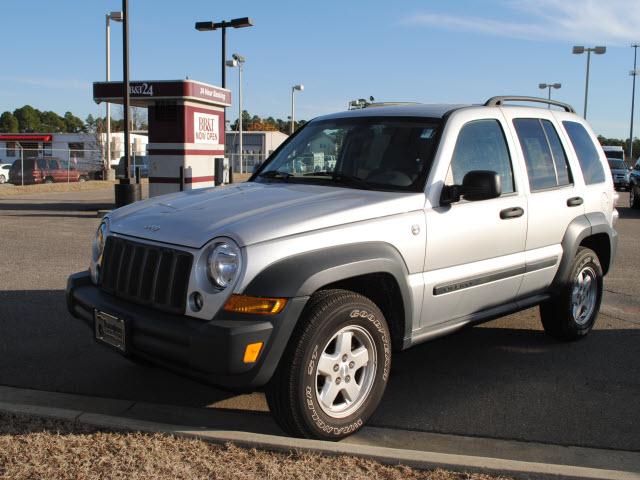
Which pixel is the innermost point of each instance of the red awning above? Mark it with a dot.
(25, 138)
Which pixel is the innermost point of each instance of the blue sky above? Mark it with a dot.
(404, 50)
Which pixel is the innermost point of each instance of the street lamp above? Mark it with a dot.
(116, 17)
(235, 23)
(238, 61)
(579, 50)
(223, 25)
(542, 86)
(293, 104)
(634, 73)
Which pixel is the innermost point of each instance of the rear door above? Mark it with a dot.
(555, 196)
(475, 249)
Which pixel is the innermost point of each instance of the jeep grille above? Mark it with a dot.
(145, 274)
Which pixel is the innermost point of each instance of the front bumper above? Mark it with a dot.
(210, 351)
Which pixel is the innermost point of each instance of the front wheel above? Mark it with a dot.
(2, 179)
(572, 314)
(334, 372)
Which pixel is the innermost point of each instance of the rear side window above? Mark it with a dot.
(586, 152)
(481, 146)
(544, 156)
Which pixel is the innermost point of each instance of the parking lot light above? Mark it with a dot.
(238, 61)
(578, 50)
(242, 22)
(116, 17)
(634, 73)
(549, 86)
(300, 88)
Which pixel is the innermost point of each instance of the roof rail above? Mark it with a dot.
(389, 104)
(499, 100)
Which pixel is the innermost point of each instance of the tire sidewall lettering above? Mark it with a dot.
(320, 419)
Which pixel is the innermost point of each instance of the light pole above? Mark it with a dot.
(223, 25)
(542, 86)
(126, 192)
(116, 17)
(634, 73)
(579, 50)
(300, 88)
(238, 61)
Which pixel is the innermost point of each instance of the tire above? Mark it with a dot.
(48, 180)
(572, 314)
(634, 199)
(326, 353)
(2, 179)
(82, 179)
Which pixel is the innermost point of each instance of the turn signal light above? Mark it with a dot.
(257, 305)
(251, 352)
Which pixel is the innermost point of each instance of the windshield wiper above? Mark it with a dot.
(342, 178)
(276, 174)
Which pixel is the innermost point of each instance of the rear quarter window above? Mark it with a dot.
(586, 151)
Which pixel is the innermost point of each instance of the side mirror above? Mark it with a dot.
(476, 185)
(481, 185)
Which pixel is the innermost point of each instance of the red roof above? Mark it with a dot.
(25, 138)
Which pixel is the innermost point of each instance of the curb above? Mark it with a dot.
(413, 458)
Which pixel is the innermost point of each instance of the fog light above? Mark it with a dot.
(197, 302)
(251, 352)
(256, 305)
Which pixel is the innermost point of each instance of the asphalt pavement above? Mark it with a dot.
(505, 379)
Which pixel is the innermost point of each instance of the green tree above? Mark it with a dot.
(73, 124)
(28, 118)
(8, 123)
(92, 123)
(51, 122)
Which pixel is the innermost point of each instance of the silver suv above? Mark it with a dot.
(367, 232)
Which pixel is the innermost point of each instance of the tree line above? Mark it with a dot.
(252, 123)
(27, 119)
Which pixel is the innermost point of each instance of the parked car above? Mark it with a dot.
(305, 283)
(620, 173)
(46, 170)
(141, 161)
(4, 172)
(634, 185)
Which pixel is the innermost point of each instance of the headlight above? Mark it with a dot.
(223, 264)
(98, 249)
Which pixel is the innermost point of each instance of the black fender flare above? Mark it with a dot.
(580, 228)
(302, 274)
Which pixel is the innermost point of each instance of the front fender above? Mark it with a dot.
(302, 274)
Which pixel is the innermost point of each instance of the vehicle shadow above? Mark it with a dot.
(505, 379)
(626, 212)
(510, 382)
(44, 348)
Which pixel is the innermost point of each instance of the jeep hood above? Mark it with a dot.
(254, 212)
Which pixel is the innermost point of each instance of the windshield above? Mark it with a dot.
(616, 164)
(382, 153)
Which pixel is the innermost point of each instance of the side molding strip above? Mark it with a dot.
(476, 280)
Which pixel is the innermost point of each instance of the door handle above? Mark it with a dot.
(513, 212)
(574, 201)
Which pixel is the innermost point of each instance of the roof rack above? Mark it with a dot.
(499, 100)
(389, 104)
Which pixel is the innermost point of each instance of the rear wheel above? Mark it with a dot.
(82, 179)
(334, 372)
(48, 180)
(634, 198)
(572, 314)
